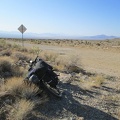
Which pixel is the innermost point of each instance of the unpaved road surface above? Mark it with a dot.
(93, 60)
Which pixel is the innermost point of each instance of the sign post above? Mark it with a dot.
(22, 29)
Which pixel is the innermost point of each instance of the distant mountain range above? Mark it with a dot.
(5, 34)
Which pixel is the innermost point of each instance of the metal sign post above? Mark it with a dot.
(22, 29)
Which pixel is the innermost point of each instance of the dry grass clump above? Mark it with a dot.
(12, 86)
(18, 48)
(16, 87)
(97, 80)
(20, 110)
(19, 99)
(93, 81)
(68, 63)
(5, 53)
(49, 56)
(7, 68)
(4, 45)
(20, 56)
(34, 50)
(60, 63)
(29, 92)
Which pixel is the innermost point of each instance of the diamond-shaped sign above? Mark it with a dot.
(22, 29)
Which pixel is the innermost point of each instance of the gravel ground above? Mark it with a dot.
(79, 104)
(98, 103)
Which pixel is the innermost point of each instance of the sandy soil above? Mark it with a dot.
(93, 60)
(79, 101)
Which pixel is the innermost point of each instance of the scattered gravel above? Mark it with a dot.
(79, 104)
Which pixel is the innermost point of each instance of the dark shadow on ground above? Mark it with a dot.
(108, 89)
(69, 106)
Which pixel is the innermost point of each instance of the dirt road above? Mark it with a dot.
(94, 60)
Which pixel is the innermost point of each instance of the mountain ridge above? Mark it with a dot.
(15, 34)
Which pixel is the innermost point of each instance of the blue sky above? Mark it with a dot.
(71, 17)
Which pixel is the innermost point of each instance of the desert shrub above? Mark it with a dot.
(21, 56)
(7, 69)
(5, 66)
(68, 64)
(16, 46)
(92, 81)
(15, 86)
(98, 44)
(17, 90)
(60, 63)
(4, 45)
(49, 56)
(19, 110)
(35, 50)
(12, 86)
(24, 96)
(1, 48)
(118, 43)
(76, 69)
(19, 48)
(97, 81)
(23, 50)
(5, 53)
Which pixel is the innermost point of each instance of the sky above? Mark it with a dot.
(69, 17)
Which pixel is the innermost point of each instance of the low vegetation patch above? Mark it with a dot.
(18, 99)
(17, 87)
(8, 69)
(5, 53)
(49, 56)
(93, 81)
(19, 110)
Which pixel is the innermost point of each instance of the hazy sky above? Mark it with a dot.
(71, 17)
